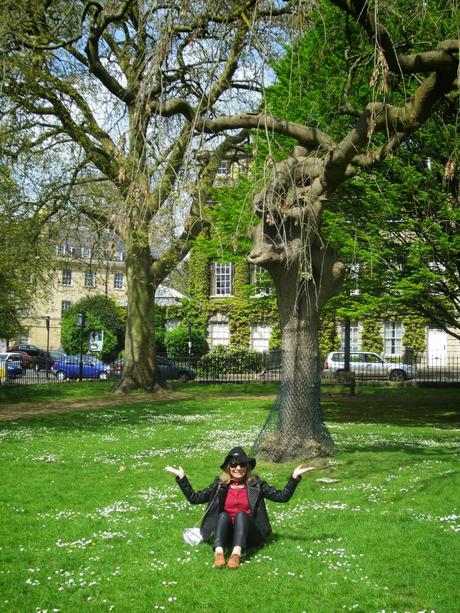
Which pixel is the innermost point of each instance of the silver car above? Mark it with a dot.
(368, 365)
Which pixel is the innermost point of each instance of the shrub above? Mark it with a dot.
(102, 314)
(160, 334)
(176, 342)
(231, 360)
(160, 330)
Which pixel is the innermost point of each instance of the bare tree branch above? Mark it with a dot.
(196, 217)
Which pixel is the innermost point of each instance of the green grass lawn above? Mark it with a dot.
(91, 522)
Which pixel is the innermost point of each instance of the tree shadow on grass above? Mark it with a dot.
(449, 448)
(128, 414)
(435, 408)
(439, 408)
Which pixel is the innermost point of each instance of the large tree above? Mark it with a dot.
(369, 80)
(124, 93)
(418, 229)
(400, 233)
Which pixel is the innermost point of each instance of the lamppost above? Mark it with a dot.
(189, 345)
(81, 321)
(47, 322)
(346, 344)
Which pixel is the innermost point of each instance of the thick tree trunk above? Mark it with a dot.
(295, 428)
(140, 357)
(306, 273)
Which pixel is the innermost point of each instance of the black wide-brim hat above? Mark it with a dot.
(238, 454)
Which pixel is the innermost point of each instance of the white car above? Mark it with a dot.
(368, 365)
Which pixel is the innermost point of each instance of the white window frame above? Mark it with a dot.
(354, 336)
(64, 249)
(223, 169)
(223, 276)
(218, 333)
(392, 337)
(65, 306)
(67, 277)
(86, 253)
(260, 337)
(118, 280)
(90, 278)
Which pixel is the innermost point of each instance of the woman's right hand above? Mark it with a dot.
(178, 472)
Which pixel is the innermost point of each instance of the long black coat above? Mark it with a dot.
(216, 493)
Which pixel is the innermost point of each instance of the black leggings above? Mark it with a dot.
(242, 532)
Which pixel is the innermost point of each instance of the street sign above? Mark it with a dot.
(96, 341)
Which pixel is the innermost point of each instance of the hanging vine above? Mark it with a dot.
(414, 333)
(371, 335)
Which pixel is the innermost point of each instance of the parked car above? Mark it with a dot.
(167, 368)
(32, 350)
(69, 368)
(368, 365)
(13, 363)
(171, 370)
(46, 359)
(26, 360)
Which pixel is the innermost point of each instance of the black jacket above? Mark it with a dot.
(216, 493)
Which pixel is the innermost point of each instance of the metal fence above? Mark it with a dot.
(444, 372)
(269, 370)
(264, 367)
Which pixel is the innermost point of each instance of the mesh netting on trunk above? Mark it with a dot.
(294, 428)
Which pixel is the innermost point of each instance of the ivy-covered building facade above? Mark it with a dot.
(233, 303)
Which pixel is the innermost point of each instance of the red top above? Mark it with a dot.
(237, 502)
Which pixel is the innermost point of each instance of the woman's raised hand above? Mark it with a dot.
(178, 472)
(300, 470)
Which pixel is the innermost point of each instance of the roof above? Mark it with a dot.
(167, 295)
(164, 296)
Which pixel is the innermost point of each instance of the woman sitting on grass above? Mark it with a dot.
(236, 513)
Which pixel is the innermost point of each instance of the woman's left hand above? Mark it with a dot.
(300, 470)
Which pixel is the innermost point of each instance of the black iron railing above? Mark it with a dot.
(265, 367)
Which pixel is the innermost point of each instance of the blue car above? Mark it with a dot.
(11, 365)
(68, 367)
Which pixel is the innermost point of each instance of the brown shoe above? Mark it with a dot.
(234, 561)
(219, 560)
